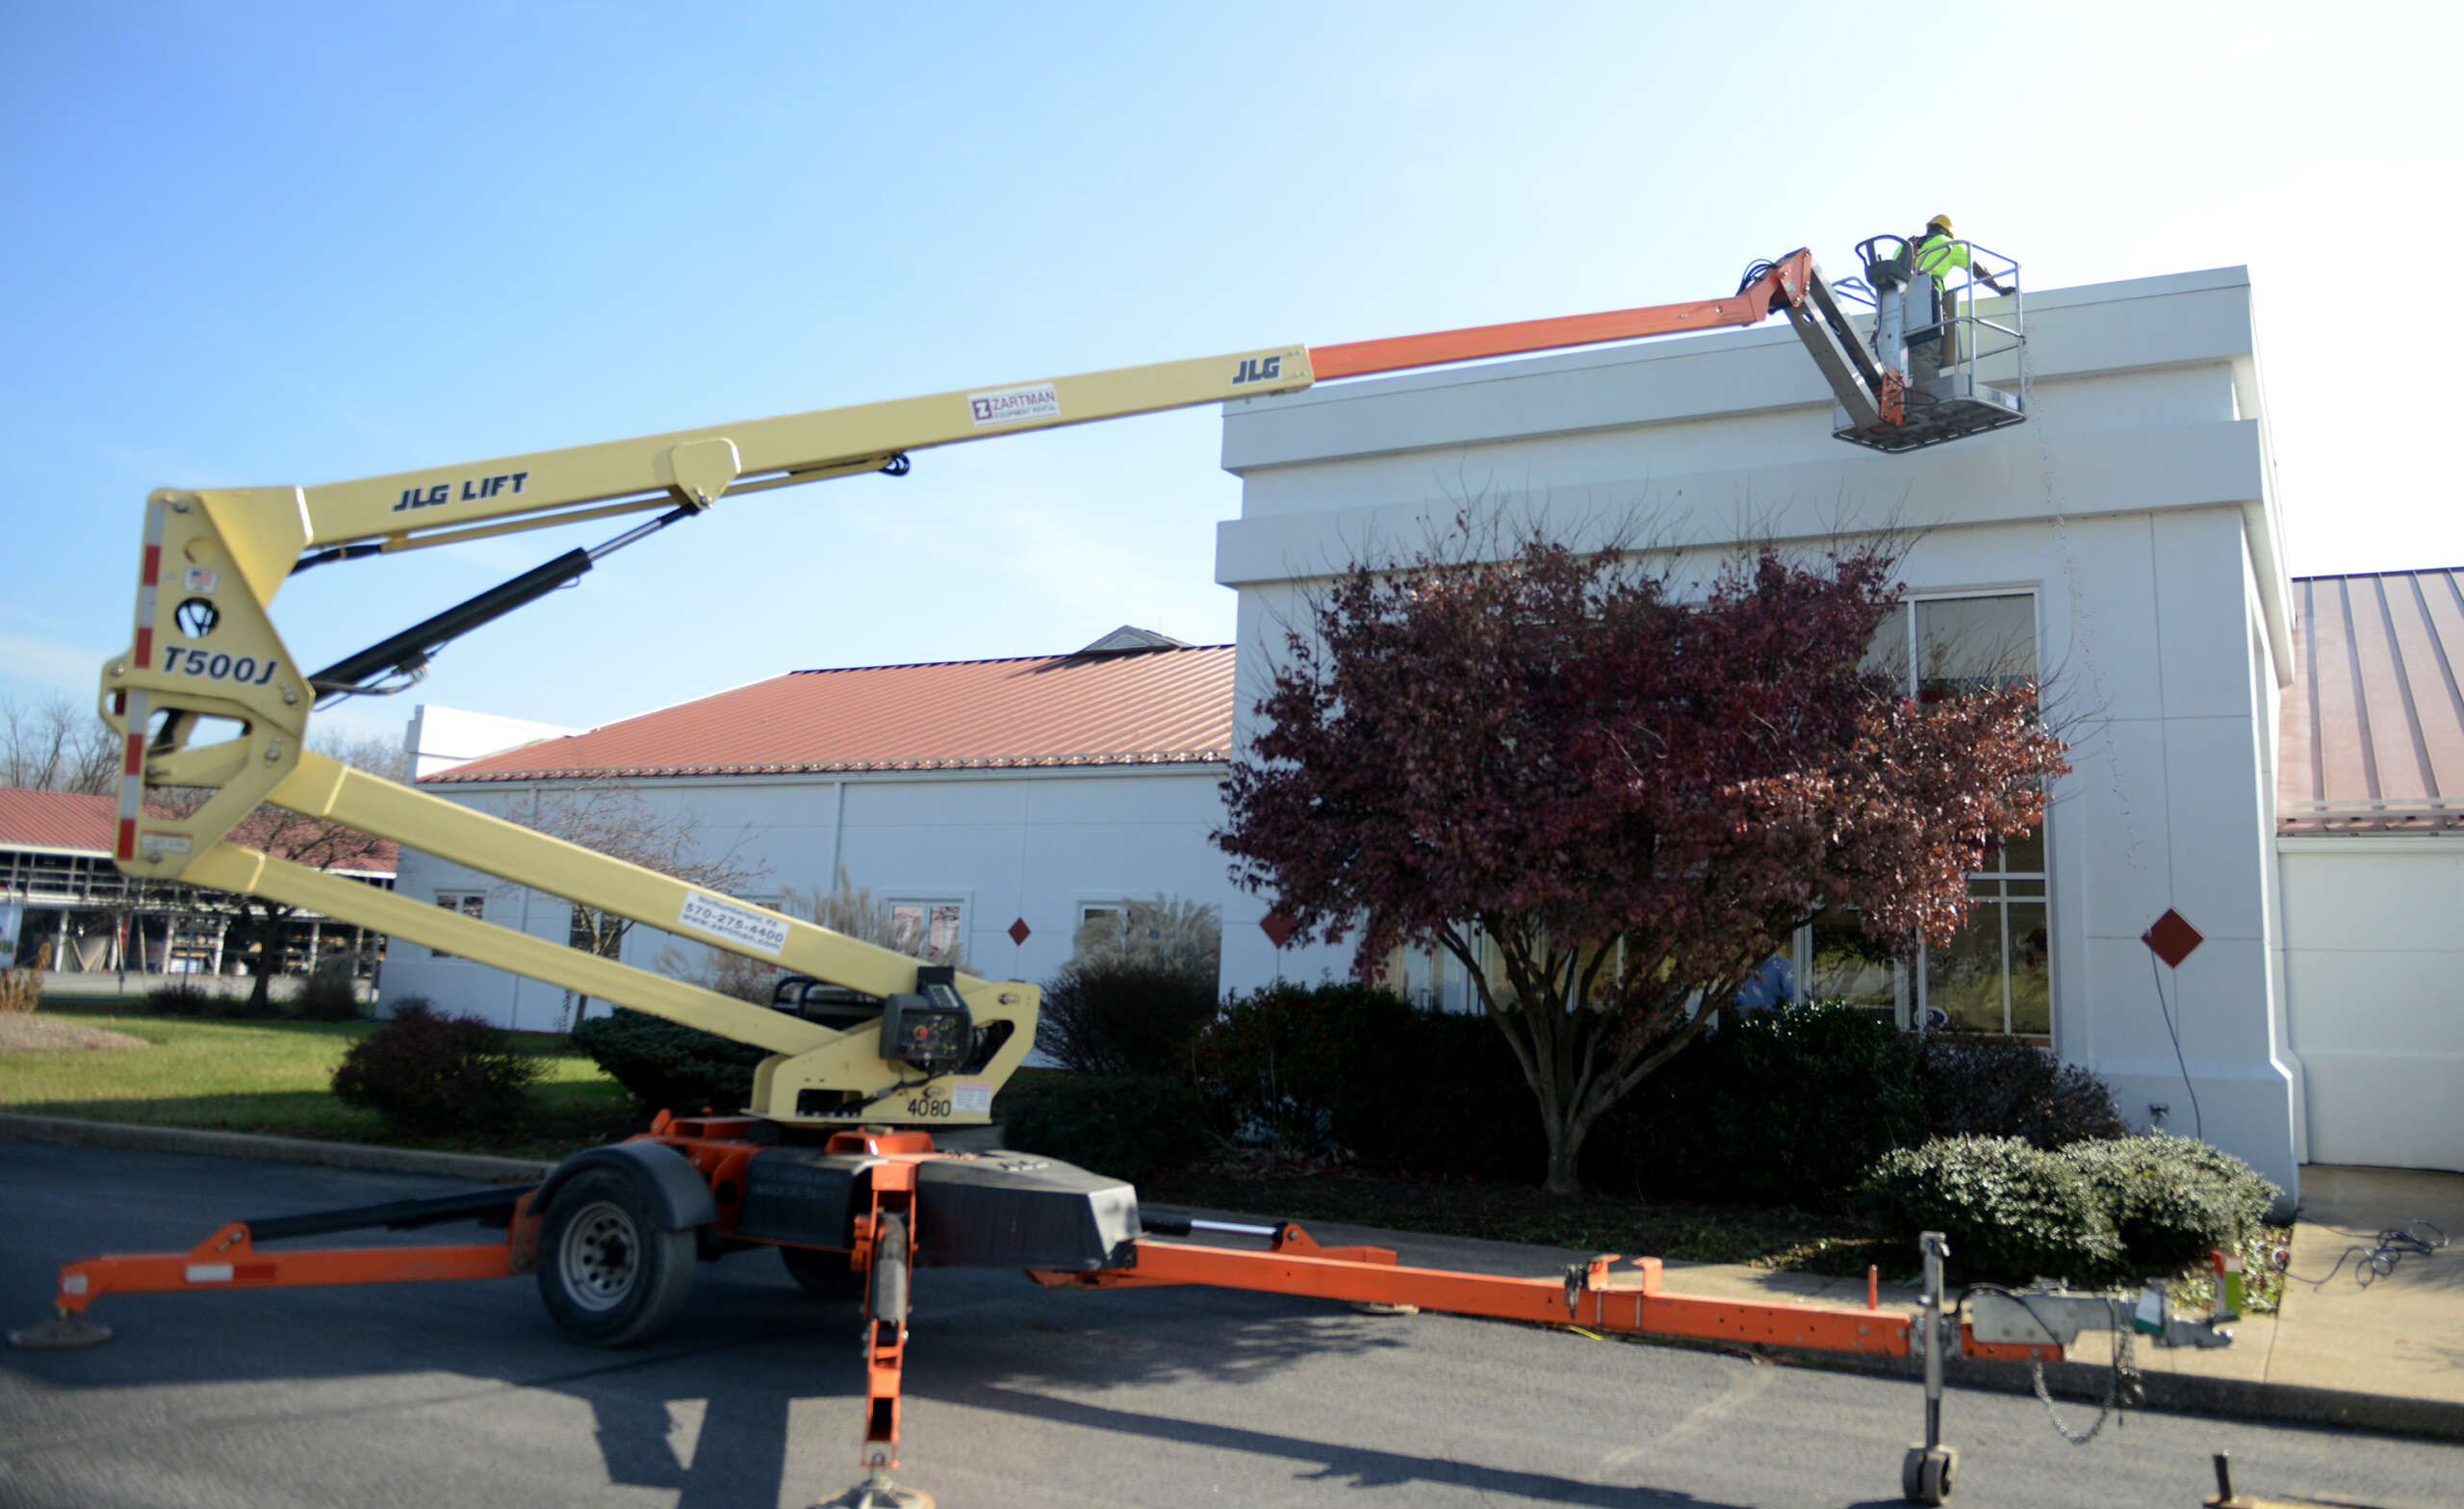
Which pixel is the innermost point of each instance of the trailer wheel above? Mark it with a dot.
(889, 1271)
(1926, 1475)
(607, 1272)
(824, 1275)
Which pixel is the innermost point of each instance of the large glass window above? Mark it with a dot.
(1995, 975)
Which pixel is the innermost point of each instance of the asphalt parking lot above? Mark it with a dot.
(453, 1393)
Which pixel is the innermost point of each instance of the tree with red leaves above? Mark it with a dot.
(1635, 799)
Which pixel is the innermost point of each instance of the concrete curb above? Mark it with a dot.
(2077, 1383)
(2084, 1385)
(270, 1149)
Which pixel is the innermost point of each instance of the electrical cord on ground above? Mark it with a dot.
(2198, 1125)
(2388, 1247)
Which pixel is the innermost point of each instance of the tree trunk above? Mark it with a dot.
(1567, 1130)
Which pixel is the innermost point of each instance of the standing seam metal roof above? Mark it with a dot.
(2373, 728)
(1140, 707)
(75, 822)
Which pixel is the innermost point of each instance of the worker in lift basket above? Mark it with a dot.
(1937, 252)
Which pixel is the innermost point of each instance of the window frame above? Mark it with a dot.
(928, 900)
(470, 902)
(1911, 982)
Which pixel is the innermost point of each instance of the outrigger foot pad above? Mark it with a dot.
(61, 1333)
(878, 1492)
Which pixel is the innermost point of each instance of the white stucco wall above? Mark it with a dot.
(1026, 844)
(438, 738)
(2134, 505)
(2372, 957)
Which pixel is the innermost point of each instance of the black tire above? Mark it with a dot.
(607, 1272)
(824, 1275)
(889, 1271)
(1927, 1477)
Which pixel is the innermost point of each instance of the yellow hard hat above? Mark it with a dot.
(1939, 222)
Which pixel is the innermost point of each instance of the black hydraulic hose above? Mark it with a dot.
(410, 649)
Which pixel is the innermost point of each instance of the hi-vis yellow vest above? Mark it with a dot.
(1938, 255)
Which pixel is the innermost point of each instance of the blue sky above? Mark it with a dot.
(294, 243)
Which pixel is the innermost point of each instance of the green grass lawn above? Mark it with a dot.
(273, 1077)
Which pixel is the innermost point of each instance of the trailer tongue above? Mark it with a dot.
(613, 1234)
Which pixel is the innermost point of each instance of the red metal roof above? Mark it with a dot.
(2373, 727)
(56, 820)
(1141, 707)
(79, 824)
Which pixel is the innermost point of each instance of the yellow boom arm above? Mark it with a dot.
(206, 659)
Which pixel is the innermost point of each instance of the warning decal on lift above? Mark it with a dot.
(970, 1095)
(722, 918)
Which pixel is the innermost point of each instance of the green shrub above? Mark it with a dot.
(2094, 1211)
(666, 1066)
(2173, 1199)
(1277, 1065)
(181, 999)
(1351, 1069)
(1782, 1107)
(2012, 1210)
(329, 994)
(1130, 1126)
(1994, 1086)
(1118, 1013)
(1437, 1093)
(432, 1074)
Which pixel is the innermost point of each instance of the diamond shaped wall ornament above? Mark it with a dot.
(1277, 927)
(1019, 930)
(2173, 939)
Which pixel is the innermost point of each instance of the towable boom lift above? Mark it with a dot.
(832, 1162)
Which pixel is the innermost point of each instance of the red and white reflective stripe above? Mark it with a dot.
(148, 578)
(132, 777)
(132, 770)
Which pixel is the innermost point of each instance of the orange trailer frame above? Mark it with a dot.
(1599, 1295)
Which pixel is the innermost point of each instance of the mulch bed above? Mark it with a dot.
(23, 1032)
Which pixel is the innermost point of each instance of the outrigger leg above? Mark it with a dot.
(885, 1244)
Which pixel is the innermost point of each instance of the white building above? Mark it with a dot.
(2126, 539)
(996, 802)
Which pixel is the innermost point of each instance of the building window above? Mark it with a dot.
(1995, 975)
(598, 932)
(928, 928)
(470, 903)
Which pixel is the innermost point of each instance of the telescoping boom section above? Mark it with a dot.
(209, 698)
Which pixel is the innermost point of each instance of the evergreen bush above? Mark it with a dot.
(668, 1067)
(2095, 1211)
(1130, 1126)
(1996, 1087)
(2173, 1199)
(329, 994)
(2012, 1211)
(1277, 1065)
(1126, 1013)
(181, 999)
(432, 1074)
(1788, 1106)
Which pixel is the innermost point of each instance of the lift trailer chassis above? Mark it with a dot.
(885, 1202)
